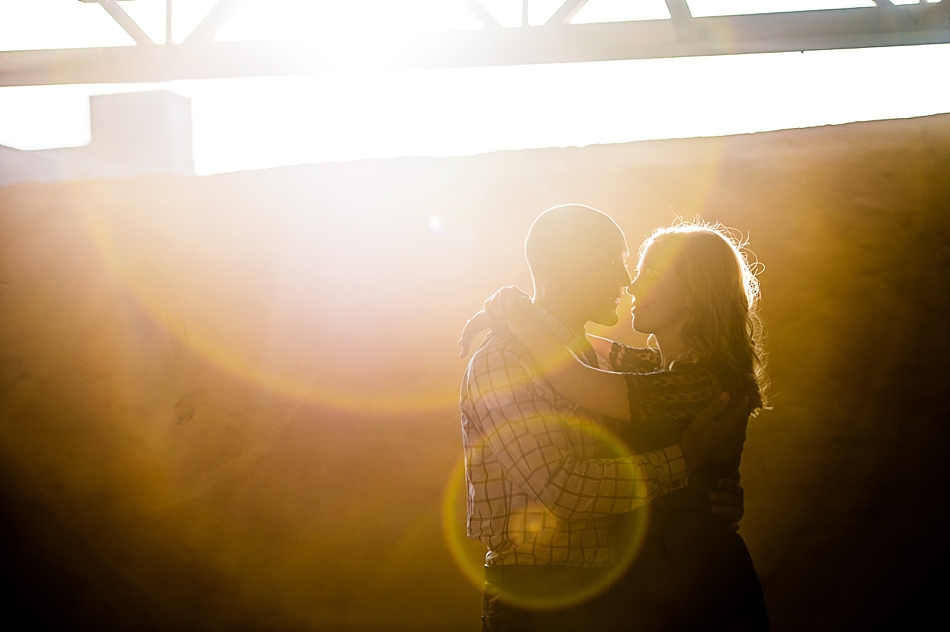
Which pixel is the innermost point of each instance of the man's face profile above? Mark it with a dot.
(600, 280)
(578, 257)
(591, 274)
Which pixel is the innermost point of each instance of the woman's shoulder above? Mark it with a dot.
(627, 359)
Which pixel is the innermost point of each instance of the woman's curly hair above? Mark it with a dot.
(713, 265)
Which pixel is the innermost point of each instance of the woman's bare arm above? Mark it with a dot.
(600, 391)
(494, 316)
(602, 346)
(475, 325)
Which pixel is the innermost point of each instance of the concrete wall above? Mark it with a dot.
(132, 133)
(18, 165)
(229, 402)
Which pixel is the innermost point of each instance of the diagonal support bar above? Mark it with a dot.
(214, 21)
(482, 14)
(565, 12)
(168, 21)
(122, 18)
(682, 19)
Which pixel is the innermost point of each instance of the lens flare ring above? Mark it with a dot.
(625, 544)
(153, 287)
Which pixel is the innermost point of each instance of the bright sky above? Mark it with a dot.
(257, 123)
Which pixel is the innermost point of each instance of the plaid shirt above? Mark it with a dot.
(539, 488)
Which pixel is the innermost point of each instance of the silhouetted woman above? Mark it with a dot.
(696, 296)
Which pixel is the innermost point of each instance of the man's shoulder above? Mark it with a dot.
(500, 364)
(500, 346)
(500, 351)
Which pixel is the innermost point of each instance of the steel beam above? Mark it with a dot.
(565, 12)
(683, 20)
(810, 30)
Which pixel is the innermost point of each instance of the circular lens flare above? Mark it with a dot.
(225, 293)
(626, 542)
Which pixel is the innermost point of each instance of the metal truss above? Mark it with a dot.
(557, 41)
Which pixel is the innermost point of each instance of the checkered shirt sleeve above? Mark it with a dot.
(526, 446)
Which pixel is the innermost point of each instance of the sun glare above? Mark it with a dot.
(355, 112)
(360, 19)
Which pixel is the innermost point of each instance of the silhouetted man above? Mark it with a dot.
(543, 488)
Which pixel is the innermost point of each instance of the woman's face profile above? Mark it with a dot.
(659, 300)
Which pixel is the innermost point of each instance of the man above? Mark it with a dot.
(543, 484)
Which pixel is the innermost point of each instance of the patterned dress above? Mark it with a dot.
(690, 570)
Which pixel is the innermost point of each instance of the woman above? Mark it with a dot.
(696, 296)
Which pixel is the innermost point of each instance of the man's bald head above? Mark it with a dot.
(577, 258)
(563, 233)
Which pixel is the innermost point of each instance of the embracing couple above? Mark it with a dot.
(604, 478)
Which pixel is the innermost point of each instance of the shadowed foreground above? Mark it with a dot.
(229, 402)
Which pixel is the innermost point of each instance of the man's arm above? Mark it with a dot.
(729, 500)
(530, 441)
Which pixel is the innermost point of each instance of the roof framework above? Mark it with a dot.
(557, 41)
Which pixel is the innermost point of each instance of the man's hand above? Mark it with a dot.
(728, 500)
(713, 437)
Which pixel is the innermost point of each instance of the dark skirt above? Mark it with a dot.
(692, 572)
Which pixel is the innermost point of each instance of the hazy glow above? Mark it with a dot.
(41, 24)
(621, 11)
(257, 123)
(255, 293)
(508, 12)
(316, 20)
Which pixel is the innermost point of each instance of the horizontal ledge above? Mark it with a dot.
(811, 30)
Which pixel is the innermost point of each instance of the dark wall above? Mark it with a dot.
(229, 402)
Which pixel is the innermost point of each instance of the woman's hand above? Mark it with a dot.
(503, 305)
(475, 325)
(499, 308)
